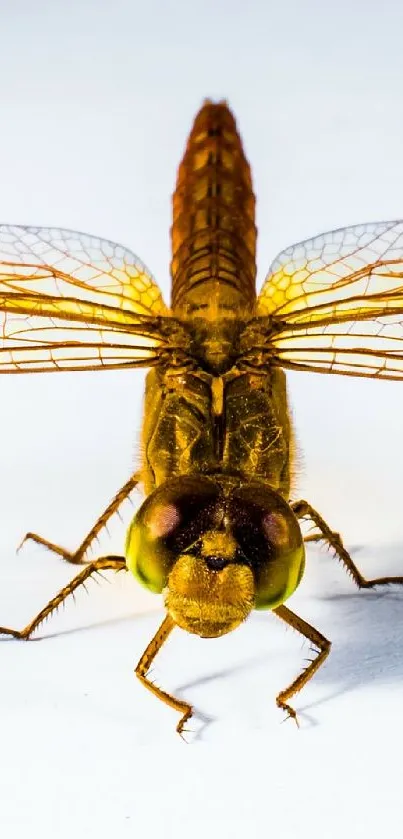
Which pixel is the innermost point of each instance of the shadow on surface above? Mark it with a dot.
(364, 626)
(76, 630)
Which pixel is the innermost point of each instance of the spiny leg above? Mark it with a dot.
(115, 563)
(318, 640)
(303, 510)
(312, 537)
(144, 665)
(77, 558)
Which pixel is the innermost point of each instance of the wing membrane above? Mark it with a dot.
(336, 302)
(71, 301)
(62, 263)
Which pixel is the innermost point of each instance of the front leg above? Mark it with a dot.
(321, 649)
(77, 557)
(144, 665)
(304, 511)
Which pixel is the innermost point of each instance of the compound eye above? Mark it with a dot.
(171, 519)
(269, 535)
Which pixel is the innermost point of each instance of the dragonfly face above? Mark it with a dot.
(216, 533)
(216, 549)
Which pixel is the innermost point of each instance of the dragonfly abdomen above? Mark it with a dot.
(213, 233)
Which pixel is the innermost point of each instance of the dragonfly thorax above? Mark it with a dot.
(216, 343)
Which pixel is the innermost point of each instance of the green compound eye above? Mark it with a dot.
(171, 519)
(269, 536)
(146, 552)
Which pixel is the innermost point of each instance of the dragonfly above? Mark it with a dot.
(218, 533)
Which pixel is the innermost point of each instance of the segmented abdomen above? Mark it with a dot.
(213, 233)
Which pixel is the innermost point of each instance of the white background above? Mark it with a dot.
(96, 101)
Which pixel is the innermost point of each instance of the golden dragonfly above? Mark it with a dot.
(217, 533)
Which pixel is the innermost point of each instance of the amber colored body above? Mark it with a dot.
(213, 232)
(216, 532)
(216, 418)
(247, 435)
(212, 413)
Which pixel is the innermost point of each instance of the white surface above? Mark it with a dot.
(86, 748)
(96, 103)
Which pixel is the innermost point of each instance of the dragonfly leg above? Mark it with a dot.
(144, 665)
(313, 537)
(77, 557)
(115, 563)
(323, 648)
(303, 510)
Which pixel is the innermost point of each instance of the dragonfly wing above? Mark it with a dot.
(335, 302)
(63, 263)
(69, 301)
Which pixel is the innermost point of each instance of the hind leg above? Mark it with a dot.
(304, 511)
(115, 563)
(77, 557)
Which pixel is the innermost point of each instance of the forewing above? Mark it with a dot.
(72, 301)
(336, 302)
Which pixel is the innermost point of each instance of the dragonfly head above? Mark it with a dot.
(215, 551)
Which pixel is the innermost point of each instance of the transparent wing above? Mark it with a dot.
(62, 263)
(72, 301)
(336, 302)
